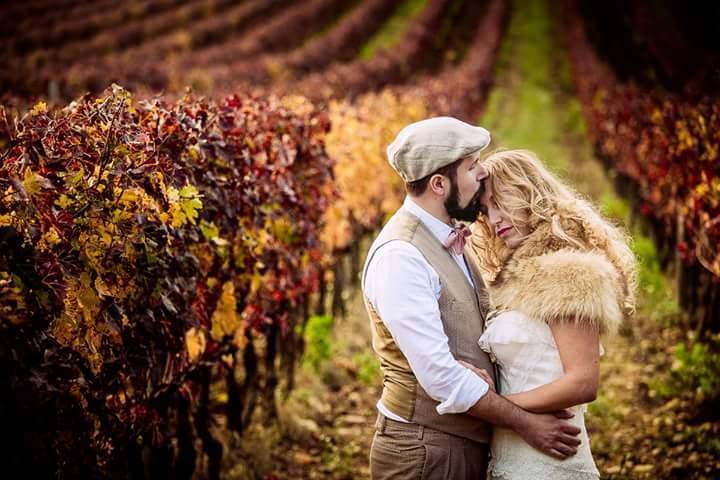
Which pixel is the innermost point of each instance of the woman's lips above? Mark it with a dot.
(503, 231)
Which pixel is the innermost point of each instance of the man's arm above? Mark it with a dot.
(546, 432)
(549, 433)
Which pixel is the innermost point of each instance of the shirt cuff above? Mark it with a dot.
(468, 391)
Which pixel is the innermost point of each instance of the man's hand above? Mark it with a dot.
(551, 434)
(480, 372)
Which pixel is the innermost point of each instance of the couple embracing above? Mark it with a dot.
(488, 335)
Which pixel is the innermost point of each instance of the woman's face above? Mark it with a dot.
(499, 221)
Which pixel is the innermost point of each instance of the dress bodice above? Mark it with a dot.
(528, 357)
(524, 349)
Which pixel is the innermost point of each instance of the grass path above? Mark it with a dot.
(393, 28)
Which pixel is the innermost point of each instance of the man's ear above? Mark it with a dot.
(438, 184)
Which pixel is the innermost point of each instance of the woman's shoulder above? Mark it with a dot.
(584, 270)
(566, 284)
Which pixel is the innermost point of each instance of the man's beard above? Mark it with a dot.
(471, 212)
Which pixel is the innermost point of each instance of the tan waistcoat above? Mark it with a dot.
(462, 311)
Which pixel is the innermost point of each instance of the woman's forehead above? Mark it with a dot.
(487, 193)
(487, 182)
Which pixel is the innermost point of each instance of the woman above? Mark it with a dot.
(558, 275)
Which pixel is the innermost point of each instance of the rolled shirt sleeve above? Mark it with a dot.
(404, 290)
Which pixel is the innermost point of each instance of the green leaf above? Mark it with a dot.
(189, 191)
(191, 207)
(209, 230)
(33, 183)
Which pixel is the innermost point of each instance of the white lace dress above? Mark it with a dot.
(528, 357)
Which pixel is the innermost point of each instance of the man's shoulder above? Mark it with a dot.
(393, 245)
(394, 264)
(401, 226)
(394, 248)
(399, 261)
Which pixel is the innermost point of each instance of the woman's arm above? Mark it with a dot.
(579, 348)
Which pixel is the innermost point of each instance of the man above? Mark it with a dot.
(427, 304)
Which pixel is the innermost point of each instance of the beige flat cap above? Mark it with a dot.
(424, 147)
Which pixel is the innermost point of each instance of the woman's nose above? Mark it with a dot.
(494, 217)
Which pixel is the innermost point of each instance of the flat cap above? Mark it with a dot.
(424, 147)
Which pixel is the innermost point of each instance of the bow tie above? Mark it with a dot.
(457, 237)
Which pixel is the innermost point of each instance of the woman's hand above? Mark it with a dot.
(480, 372)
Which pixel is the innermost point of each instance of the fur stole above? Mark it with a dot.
(550, 279)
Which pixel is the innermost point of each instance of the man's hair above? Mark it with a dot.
(418, 187)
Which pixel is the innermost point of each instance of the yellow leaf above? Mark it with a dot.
(184, 205)
(239, 339)
(190, 208)
(75, 178)
(189, 191)
(49, 238)
(195, 342)
(129, 196)
(40, 107)
(173, 195)
(228, 359)
(159, 180)
(178, 217)
(88, 299)
(33, 183)
(112, 290)
(644, 468)
(220, 242)
(64, 201)
(225, 319)
(105, 236)
(255, 283)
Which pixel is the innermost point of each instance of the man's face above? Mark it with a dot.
(464, 202)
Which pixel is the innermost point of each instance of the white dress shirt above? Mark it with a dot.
(404, 290)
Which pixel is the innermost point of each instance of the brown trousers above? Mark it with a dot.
(407, 451)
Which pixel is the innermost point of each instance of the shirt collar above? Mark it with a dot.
(440, 229)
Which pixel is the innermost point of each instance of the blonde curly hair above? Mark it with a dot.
(530, 195)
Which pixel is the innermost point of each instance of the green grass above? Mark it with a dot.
(330, 25)
(615, 207)
(318, 338)
(368, 368)
(656, 298)
(521, 110)
(393, 28)
(696, 369)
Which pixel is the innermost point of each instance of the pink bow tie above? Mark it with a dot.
(457, 237)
